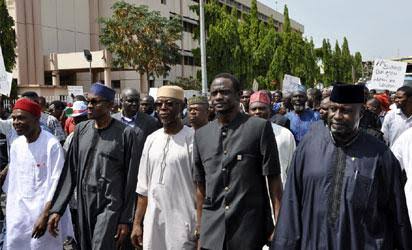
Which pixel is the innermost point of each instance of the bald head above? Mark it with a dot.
(130, 99)
(130, 92)
(147, 104)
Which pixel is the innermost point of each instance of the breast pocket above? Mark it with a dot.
(360, 192)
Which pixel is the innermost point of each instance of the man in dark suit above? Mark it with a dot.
(130, 115)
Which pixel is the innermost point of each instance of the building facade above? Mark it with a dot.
(52, 35)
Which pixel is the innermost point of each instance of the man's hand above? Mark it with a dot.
(137, 236)
(40, 227)
(53, 224)
(3, 175)
(122, 232)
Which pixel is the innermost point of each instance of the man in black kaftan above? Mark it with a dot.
(344, 188)
(103, 162)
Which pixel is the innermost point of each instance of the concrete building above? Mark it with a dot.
(52, 34)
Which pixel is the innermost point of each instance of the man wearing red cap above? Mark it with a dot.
(259, 106)
(36, 162)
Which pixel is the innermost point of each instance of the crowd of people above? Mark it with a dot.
(240, 169)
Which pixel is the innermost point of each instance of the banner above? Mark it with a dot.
(388, 75)
(5, 78)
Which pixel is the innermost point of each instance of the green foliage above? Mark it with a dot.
(7, 37)
(357, 65)
(141, 39)
(253, 49)
(188, 83)
(346, 60)
(286, 21)
(337, 75)
(326, 58)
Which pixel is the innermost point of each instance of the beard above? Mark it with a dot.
(299, 108)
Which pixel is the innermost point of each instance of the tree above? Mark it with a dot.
(8, 43)
(141, 39)
(223, 46)
(327, 63)
(7, 37)
(346, 62)
(253, 49)
(188, 83)
(357, 65)
(337, 64)
(286, 20)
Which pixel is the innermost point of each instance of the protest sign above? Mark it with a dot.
(74, 91)
(5, 78)
(388, 75)
(255, 85)
(153, 92)
(290, 84)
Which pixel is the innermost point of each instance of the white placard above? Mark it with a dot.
(290, 84)
(388, 75)
(153, 92)
(5, 77)
(75, 90)
(255, 85)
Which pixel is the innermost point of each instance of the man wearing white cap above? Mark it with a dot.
(165, 186)
(79, 114)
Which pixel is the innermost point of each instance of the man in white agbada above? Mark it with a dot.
(260, 106)
(36, 161)
(166, 191)
(402, 149)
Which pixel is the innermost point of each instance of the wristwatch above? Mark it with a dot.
(197, 234)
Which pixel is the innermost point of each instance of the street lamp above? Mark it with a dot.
(89, 58)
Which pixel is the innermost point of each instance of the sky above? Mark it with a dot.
(376, 28)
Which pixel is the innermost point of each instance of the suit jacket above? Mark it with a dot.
(143, 121)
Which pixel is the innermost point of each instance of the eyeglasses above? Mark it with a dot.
(95, 102)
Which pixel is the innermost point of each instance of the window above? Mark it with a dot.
(189, 27)
(163, 2)
(189, 60)
(116, 84)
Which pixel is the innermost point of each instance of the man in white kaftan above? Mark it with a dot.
(165, 177)
(165, 182)
(286, 145)
(34, 171)
(402, 149)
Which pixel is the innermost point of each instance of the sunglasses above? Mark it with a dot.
(95, 102)
(168, 104)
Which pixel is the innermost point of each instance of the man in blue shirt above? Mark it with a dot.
(301, 118)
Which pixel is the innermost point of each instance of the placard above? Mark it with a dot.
(291, 84)
(5, 77)
(388, 75)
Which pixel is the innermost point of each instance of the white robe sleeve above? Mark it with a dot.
(55, 163)
(143, 178)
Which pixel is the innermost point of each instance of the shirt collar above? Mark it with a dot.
(127, 119)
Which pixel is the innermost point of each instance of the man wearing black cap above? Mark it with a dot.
(102, 161)
(344, 188)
